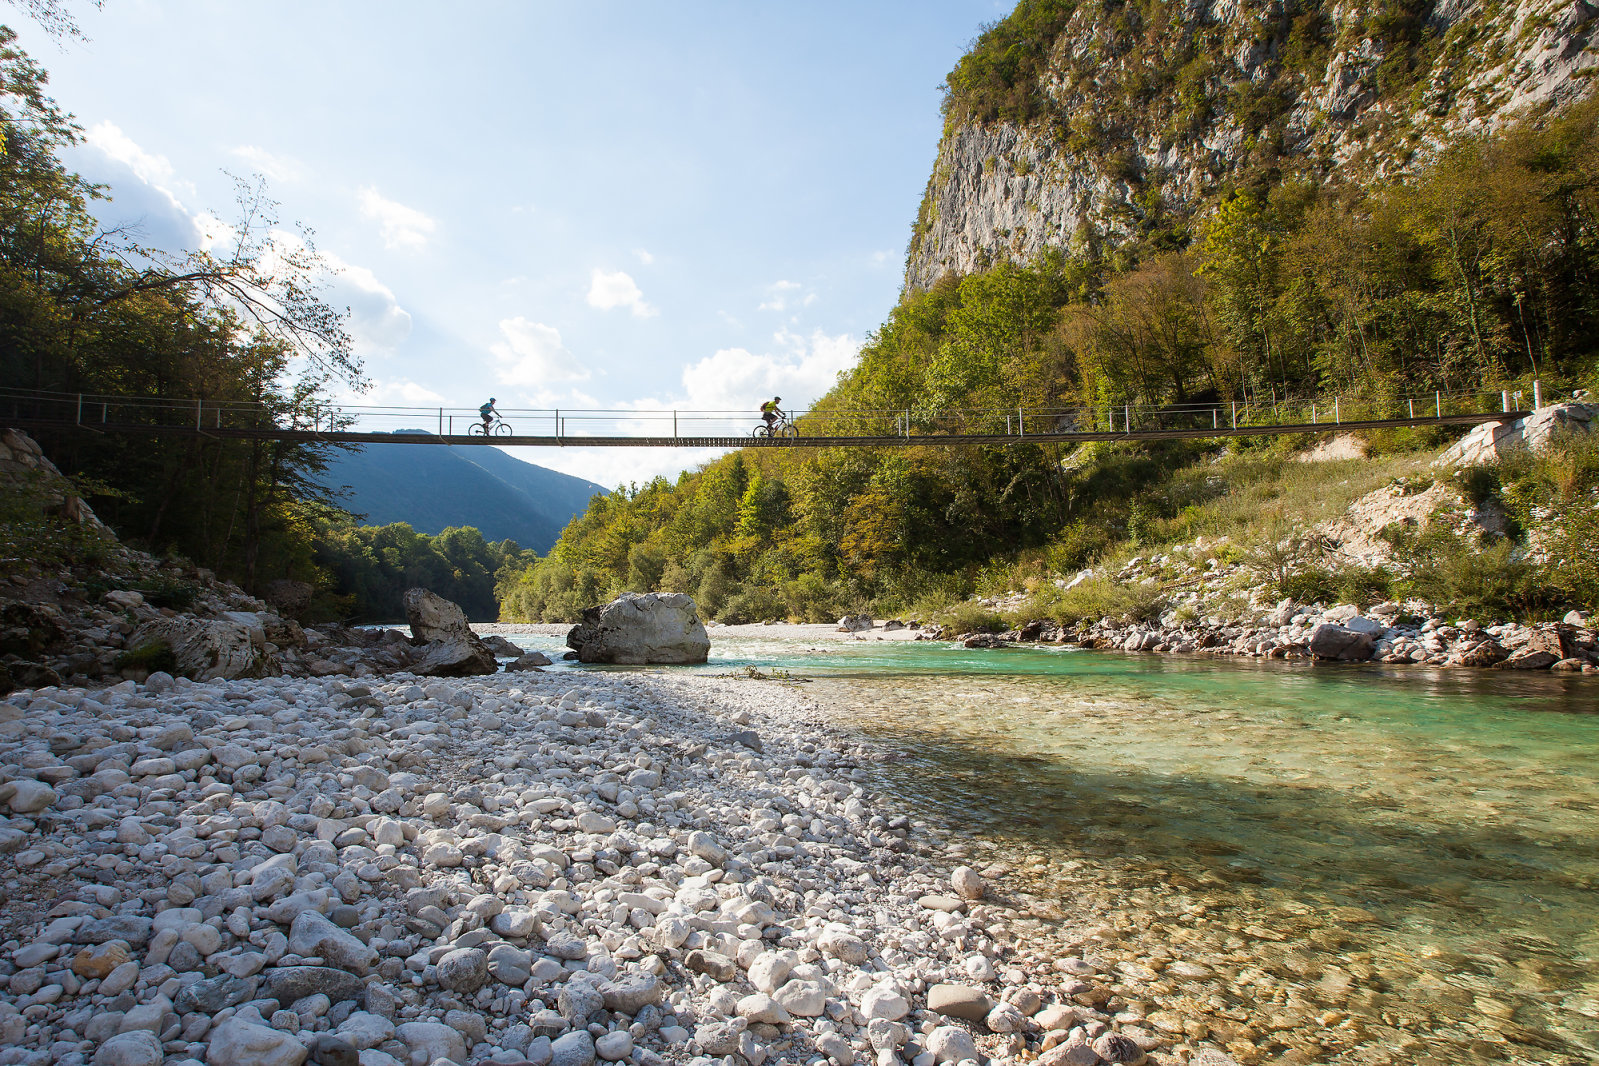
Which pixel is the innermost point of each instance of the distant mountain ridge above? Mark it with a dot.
(432, 487)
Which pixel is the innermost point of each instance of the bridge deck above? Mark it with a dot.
(911, 441)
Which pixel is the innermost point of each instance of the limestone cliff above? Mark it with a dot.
(1072, 122)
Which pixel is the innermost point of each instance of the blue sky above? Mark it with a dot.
(580, 205)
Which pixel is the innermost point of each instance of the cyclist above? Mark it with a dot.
(489, 414)
(771, 412)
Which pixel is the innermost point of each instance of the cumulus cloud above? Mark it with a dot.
(737, 379)
(401, 227)
(146, 199)
(732, 380)
(146, 193)
(280, 168)
(378, 324)
(390, 392)
(612, 467)
(532, 357)
(610, 290)
(781, 295)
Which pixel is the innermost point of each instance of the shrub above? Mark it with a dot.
(1463, 576)
(1097, 598)
(37, 531)
(754, 604)
(971, 617)
(154, 656)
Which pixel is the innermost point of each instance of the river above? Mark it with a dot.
(1358, 864)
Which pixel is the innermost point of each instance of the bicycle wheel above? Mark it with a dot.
(478, 429)
(502, 429)
(789, 430)
(761, 431)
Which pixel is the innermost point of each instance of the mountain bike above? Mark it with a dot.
(780, 428)
(498, 428)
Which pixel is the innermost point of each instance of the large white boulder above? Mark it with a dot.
(451, 649)
(634, 628)
(434, 618)
(1493, 441)
(208, 649)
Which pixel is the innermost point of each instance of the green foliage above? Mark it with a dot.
(1469, 578)
(376, 564)
(970, 617)
(1473, 273)
(39, 532)
(157, 655)
(86, 311)
(158, 591)
(1094, 599)
(998, 78)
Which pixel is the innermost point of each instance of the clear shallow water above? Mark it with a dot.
(1375, 864)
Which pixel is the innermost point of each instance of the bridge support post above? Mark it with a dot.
(1336, 418)
(1438, 402)
(1021, 430)
(199, 412)
(441, 421)
(1127, 415)
(1235, 414)
(1410, 404)
(1313, 414)
(80, 408)
(1504, 400)
(1537, 394)
(674, 425)
(1215, 418)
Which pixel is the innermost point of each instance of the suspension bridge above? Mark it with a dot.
(557, 428)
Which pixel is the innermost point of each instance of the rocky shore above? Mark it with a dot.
(1388, 633)
(516, 868)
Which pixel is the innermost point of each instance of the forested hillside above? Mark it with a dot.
(1473, 269)
(84, 310)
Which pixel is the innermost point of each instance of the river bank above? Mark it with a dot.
(1349, 852)
(515, 868)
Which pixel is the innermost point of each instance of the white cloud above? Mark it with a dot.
(142, 187)
(390, 392)
(733, 381)
(780, 292)
(378, 324)
(145, 190)
(150, 168)
(533, 358)
(611, 467)
(608, 291)
(643, 256)
(737, 380)
(401, 227)
(281, 168)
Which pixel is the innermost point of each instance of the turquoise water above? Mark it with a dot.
(1375, 864)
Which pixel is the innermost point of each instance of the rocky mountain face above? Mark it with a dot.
(1075, 124)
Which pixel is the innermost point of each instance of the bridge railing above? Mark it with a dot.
(89, 410)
